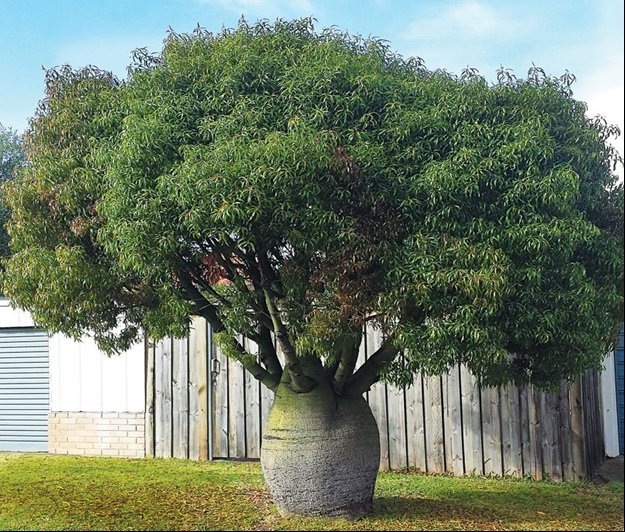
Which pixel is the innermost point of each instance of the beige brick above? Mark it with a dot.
(128, 439)
(93, 452)
(110, 452)
(136, 446)
(110, 439)
(84, 445)
(76, 451)
(128, 452)
(83, 432)
(75, 439)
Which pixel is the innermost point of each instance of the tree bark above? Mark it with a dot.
(320, 453)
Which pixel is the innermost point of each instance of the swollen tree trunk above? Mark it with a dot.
(320, 453)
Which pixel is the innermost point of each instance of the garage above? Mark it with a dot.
(24, 389)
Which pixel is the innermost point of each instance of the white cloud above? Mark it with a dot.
(464, 19)
(266, 8)
(604, 96)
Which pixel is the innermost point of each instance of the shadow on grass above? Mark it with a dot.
(499, 511)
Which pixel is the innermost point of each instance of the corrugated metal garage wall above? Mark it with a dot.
(24, 389)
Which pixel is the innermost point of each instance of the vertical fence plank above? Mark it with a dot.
(163, 403)
(415, 426)
(221, 406)
(252, 410)
(566, 445)
(236, 411)
(452, 403)
(472, 422)
(434, 431)
(588, 425)
(577, 430)
(535, 434)
(599, 430)
(149, 398)
(193, 386)
(593, 428)
(526, 448)
(511, 431)
(552, 436)
(377, 399)
(397, 450)
(198, 393)
(180, 398)
(491, 430)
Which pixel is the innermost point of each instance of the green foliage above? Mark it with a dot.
(473, 223)
(11, 159)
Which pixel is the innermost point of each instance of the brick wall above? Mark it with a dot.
(97, 433)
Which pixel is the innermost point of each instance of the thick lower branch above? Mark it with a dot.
(369, 373)
(267, 352)
(299, 381)
(254, 368)
(200, 304)
(347, 361)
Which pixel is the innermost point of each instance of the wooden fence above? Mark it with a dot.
(202, 405)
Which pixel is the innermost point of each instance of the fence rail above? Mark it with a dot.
(448, 424)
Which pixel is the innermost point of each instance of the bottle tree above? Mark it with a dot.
(296, 186)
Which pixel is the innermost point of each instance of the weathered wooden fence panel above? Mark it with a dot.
(202, 409)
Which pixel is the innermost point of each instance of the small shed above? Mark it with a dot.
(67, 397)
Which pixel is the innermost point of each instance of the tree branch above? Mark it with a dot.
(347, 361)
(300, 382)
(249, 363)
(201, 304)
(267, 352)
(369, 373)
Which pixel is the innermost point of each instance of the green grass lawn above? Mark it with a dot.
(42, 492)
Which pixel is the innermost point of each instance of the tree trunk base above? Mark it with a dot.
(320, 455)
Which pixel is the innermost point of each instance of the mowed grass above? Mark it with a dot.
(44, 492)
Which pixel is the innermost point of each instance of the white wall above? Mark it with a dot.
(10, 317)
(83, 379)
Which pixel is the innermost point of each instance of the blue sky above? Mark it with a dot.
(584, 37)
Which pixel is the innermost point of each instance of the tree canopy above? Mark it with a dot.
(283, 181)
